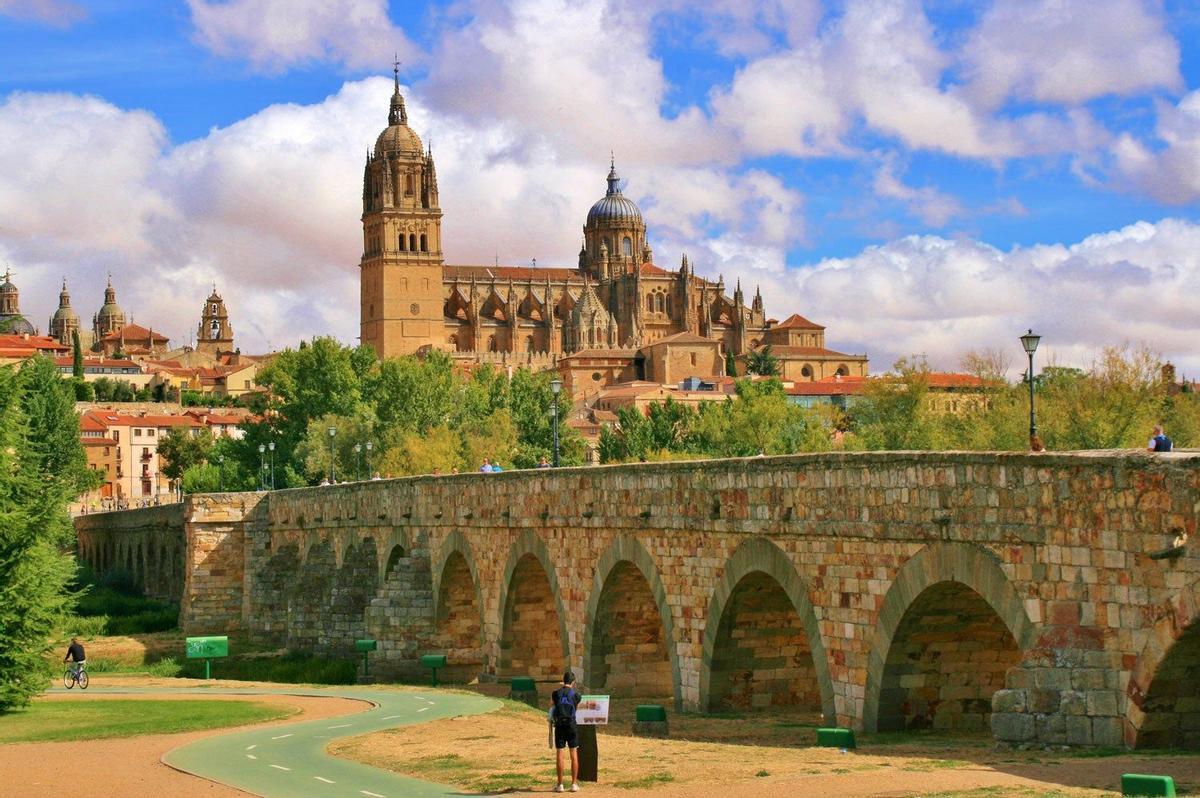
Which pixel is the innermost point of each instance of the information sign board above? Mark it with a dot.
(592, 710)
(206, 647)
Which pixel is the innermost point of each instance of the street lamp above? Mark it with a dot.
(555, 387)
(1030, 342)
(370, 446)
(271, 446)
(358, 460)
(332, 470)
(262, 467)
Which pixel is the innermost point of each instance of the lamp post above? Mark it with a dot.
(332, 470)
(555, 387)
(370, 446)
(358, 460)
(262, 466)
(1030, 342)
(271, 447)
(221, 470)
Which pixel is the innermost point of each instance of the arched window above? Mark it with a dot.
(649, 303)
(659, 302)
(669, 313)
(693, 358)
(408, 185)
(627, 247)
(492, 343)
(843, 371)
(412, 242)
(806, 372)
(424, 246)
(403, 243)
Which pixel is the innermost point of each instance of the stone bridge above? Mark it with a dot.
(883, 590)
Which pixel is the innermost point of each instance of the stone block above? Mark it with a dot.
(1008, 701)
(1052, 679)
(1072, 702)
(1108, 732)
(1051, 729)
(1013, 727)
(1103, 703)
(1079, 730)
(1043, 701)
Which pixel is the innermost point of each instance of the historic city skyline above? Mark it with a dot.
(894, 223)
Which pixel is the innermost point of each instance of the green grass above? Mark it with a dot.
(645, 781)
(64, 721)
(923, 765)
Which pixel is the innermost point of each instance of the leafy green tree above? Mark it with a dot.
(34, 526)
(762, 362)
(760, 420)
(436, 449)
(730, 364)
(180, 450)
(493, 437)
(894, 413)
(1113, 405)
(317, 446)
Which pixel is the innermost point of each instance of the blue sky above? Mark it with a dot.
(886, 166)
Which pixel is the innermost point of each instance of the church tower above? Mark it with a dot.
(614, 237)
(401, 269)
(65, 321)
(215, 334)
(110, 319)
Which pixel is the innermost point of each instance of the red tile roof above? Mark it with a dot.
(942, 379)
(38, 342)
(134, 332)
(650, 268)
(797, 322)
(514, 273)
(807, 351)
(89, 423)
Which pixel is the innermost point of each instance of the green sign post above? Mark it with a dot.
(434, 661)
(207, 648)
(365, 646)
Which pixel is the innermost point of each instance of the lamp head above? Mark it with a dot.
(271, 445)
(332, 431)
(261, 448)
(1030, 342)
(555, 386)
(358, 448)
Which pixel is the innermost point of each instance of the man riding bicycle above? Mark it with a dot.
(76, 656)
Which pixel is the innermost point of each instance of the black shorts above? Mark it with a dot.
(566, 736)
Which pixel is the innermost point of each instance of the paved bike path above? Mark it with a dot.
(289, 760)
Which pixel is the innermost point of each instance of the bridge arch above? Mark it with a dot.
(626, 573)
(528, 589)
(458, 607)
(953, 574)
(758, 565)
(1160, 678)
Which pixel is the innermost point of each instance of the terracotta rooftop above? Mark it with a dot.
(684, 338)
(38, 342)
(797, 322)
(515, 273)
(134, 332)
(806, 351)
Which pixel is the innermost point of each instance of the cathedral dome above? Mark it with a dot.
(65, 312)
(614, 206)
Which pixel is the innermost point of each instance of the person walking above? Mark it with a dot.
(565, 735)
(487, 466)
(1159, 442)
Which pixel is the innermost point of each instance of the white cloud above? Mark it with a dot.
(940, 297)
(59, 13)
(275, 34)
(1069, 51)
(933, 207)
(1169, 172)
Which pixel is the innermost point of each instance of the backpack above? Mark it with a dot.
(564, 707)
(1162, 443)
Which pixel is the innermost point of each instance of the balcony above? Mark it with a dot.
(146, 457)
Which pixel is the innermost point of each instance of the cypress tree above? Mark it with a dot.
(77, 356)
(730, 364)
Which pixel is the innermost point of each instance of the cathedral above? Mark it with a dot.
(616, 303)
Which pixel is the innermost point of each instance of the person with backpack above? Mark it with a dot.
(1159, 442)
(563, 703)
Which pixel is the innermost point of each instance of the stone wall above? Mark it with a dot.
(888, 590)
(147, 544)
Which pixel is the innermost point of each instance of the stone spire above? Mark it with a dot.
(397, 114)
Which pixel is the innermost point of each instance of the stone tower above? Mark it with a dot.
(110, 318)
(401, 269)
(65, 321)
(215, 333)
(11, 320)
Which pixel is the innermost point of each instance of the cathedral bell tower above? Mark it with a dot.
(215, 334)
(401, 269)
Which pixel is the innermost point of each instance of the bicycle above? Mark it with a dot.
(74, 676)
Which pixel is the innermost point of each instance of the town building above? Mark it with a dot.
(64, 324)
(11, 320)
(19, 348)
(611, 308)
(110, 318)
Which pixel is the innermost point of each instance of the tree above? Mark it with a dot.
(34, 526)
(1111, 405)
(315, 449)
(730, 364)
(762, 362)
(493, 437)
(894, 412)
(436, 449)
(180, 450)
(76, 356)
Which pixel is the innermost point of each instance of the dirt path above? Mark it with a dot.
(130, 767)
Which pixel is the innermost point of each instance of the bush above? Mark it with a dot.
(159, 619)
(165, 667)
(115, 611)
(292, 668)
